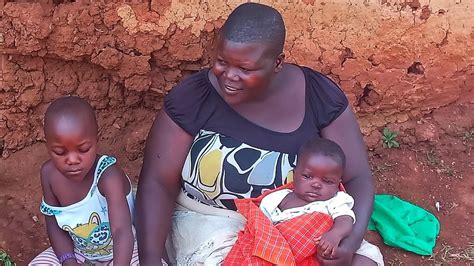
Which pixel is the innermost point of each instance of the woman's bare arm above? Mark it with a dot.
(357, 177)
(165, 152)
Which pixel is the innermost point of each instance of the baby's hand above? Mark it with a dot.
(328, 243)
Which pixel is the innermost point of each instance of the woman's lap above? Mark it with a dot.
(197, 238)
(201, 239)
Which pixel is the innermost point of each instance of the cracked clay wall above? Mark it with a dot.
(395, 59)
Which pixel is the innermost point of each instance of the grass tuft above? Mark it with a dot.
(5, 259)
(449, 254)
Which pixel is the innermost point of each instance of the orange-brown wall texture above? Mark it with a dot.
(395, 59)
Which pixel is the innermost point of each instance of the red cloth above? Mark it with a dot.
(291, 242)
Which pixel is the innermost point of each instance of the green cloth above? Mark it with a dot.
(404, 225)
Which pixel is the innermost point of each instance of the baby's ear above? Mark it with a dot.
(341, 187)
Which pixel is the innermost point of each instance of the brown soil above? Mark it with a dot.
(436, 169)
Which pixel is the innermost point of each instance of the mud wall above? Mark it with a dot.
(395, 59)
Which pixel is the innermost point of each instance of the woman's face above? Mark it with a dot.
(244, 71)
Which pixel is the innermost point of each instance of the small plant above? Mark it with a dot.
(388, 139)
(432, 158)
(5, 259)
(469, 135)
(448, 255)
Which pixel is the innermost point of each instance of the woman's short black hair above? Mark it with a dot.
(324, 147)
(255, 23)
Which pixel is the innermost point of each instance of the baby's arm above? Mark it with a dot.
(114, 185)
(60, 239)
(329, 241)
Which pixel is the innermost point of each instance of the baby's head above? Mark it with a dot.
(318, 170)
(70, 129)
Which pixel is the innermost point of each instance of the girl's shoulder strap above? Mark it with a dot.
(104, 162)
(48, 210)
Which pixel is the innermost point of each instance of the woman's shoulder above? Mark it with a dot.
(189, 103)
(317, 79)
(190, 88)
(325, 98)
(316, 83)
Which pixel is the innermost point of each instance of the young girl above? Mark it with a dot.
(87, 198)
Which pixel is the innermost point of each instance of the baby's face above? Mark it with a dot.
(316, 177)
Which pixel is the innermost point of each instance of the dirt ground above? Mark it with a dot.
(433, 164)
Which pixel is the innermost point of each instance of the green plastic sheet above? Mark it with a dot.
(404, 225)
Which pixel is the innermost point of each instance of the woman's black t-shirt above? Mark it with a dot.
(232, 157)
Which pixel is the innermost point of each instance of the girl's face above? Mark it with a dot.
(244, 71)
(317, 177)
(72, 148)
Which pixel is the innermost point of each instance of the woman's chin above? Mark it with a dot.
(233, 98)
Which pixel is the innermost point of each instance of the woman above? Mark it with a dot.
(233, 132)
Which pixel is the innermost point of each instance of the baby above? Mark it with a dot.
(87, 198)
(316, 188)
